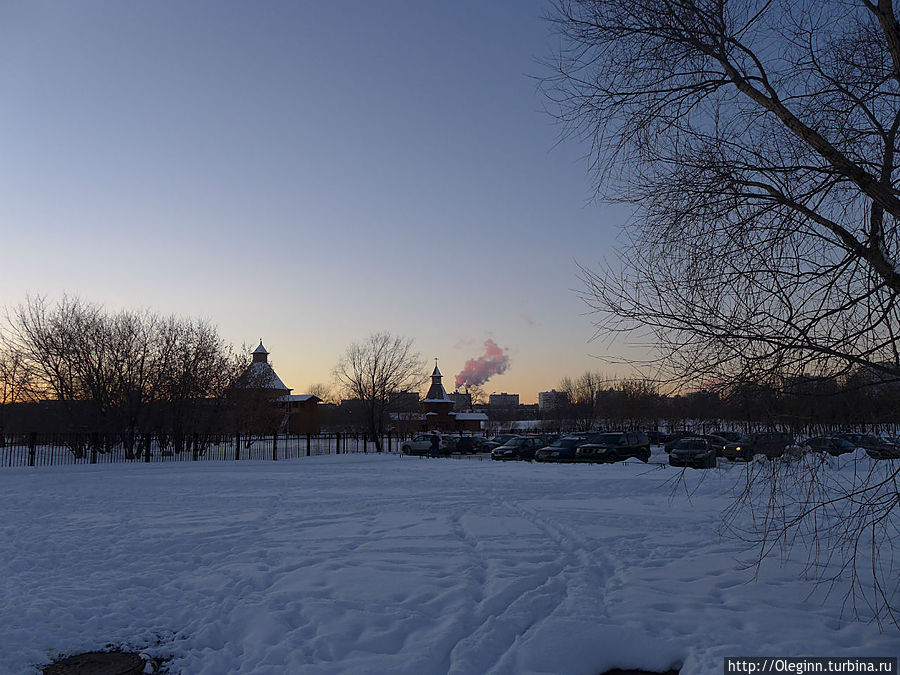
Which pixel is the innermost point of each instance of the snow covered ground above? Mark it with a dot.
(377, 564)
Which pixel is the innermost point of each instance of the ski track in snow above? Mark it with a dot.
(371, 564)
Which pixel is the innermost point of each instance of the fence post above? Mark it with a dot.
(308, 443)
(32, 445)
(365, 443)
(95, 443)
(237, 446)
(196, 453)
(390, 446)
(148, 439)
(337, 442)
(275, 447)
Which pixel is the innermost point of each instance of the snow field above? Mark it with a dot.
(374, 564)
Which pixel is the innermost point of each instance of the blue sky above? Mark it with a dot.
(305, 172)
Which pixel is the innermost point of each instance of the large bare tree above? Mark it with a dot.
(756, 142)
(583, 393)
(129, 365)
(375, 369)
(15, 385)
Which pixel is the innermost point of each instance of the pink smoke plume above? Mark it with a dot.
(494, 361)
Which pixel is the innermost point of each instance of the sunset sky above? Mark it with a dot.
(306, 172)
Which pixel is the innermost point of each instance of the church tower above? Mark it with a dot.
(259, 375)
(436, 405)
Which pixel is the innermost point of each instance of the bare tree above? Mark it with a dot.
(120, 367)
(756, 141)
(194, 364)
(846, 516)
(584, 393)
(14, 376)
(640, 402)
(373, 370)
(14, 380)
(53, 343)
(476, 391)
(323, 391)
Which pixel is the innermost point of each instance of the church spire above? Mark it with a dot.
(436, 392)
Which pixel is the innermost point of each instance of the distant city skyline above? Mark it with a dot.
(308, 173)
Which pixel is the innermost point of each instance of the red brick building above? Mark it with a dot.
(261, 389)
(437, 407)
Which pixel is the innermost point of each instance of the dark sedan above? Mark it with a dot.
(876, 448)
(656, 437)
(719, 442)
(497, 441)
(521, 447)
(831, 444)
(884, 452)
(698, 453)
(561, 450)
(615, 447)
(673, 438)
(729, 436)
(769, 443)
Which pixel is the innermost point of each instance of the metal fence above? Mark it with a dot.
(35, 449)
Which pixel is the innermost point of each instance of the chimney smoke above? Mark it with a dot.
(479, 370)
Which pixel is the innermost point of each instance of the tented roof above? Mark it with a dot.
(259, 375)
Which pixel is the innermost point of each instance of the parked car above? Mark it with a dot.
(465, 445)
(831, 444)
(421, 445)
(656, 437)
(717, 441)
(548, 439)
(497, 441)
(876, 448)
(520, 447)
(561, 450)
(769, 443)
(479, 442)
(672, 439)
(695, 452)
(614, 447)
(729, 436)
(885, 452)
